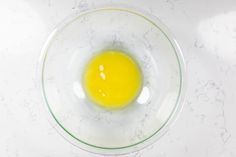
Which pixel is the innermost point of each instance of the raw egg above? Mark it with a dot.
(112, 79)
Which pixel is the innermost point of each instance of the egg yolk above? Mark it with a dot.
(112, 79)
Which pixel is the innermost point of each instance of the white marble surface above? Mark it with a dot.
(206, 31)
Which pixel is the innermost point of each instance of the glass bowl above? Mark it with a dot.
(99, 130)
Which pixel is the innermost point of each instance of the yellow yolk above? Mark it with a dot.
(112, 79)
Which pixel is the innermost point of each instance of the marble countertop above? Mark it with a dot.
(206, 32)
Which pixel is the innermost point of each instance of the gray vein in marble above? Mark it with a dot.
(49, 3)
(75, 4)
(83, 4)
(202, 95)
(145, 36)
(197, 44)
(171, 4)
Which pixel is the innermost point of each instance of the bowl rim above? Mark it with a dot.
(138, 145)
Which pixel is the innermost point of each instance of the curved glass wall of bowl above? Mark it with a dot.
(111, 131)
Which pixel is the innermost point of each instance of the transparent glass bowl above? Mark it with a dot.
(88, 126)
